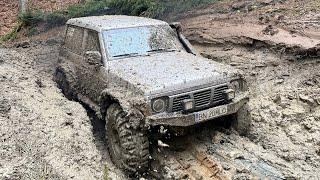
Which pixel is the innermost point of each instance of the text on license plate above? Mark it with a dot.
(212, 113)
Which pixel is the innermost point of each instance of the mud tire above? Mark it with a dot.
(64, 84)
(242, 120)
(128, 148)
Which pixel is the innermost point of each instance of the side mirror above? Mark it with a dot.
(176, 26)
(93, 58)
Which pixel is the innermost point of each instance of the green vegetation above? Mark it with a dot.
(133, 7)
(12, 34)
(151, 8)
(32, 18)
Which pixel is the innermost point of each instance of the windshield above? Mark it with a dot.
(140, 41)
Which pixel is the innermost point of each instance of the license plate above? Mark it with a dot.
(212, 113)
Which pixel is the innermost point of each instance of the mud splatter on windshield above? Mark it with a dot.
(140, 41)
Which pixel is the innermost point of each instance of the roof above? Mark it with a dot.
(100, 23)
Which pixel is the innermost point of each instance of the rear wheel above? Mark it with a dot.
(63, 83)
(242, 120)
(128, 148)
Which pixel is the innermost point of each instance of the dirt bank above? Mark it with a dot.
(9, 10)
(43, 135)
(282, 65)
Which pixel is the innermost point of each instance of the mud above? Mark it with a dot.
(283, 141)
(286, 27)
(43, 135)
(282, 67)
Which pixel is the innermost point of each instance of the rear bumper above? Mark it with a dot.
(189, 119)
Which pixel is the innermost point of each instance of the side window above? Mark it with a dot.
(92, 41)
(74, 39)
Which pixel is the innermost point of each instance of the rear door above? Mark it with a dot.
(71, 52)
(93, 74)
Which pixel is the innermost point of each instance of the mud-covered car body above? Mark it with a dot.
(150, 69)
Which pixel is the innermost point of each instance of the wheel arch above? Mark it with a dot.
(128, 105)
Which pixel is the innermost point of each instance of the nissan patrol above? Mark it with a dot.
(137, 73)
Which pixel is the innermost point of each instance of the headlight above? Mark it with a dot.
(235, 85)
(238, 85)
(159, 105)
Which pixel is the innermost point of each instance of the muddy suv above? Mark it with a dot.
(137, 73)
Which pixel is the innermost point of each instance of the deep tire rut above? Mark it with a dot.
(216, 155)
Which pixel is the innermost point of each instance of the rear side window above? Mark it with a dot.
(74, 39)
(92, 41)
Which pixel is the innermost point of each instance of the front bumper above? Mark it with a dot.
(189, 119)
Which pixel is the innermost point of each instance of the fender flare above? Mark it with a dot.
(109, 97)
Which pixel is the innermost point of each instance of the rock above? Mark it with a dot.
(281, 101)
(24, 44)
(293, 110)
(260, 65)
(318, 100)
(279, 81)
(4, 106)
(270, 30)
(239, 5)
(274, 63)
(306, 99)
(264, 19)
(40, 83)
(266, 2)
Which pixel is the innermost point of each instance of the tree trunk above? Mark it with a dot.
(23, 6)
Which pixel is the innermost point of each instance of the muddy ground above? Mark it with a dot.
(44, 135)
(275, 44)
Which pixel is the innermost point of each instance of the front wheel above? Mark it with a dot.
(128, 148)
(242, 120)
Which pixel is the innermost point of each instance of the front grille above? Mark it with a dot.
(176, 104)
(202, 99)
(218, 94)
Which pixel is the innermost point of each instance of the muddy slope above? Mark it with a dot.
(43, 135)
(281, 62)
(286, 26)
(283, 142)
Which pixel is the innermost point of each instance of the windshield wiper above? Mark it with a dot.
(161, 50)
(128, 54)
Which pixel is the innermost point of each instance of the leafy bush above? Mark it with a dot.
(55, 19)
(31, 18)
(132, 7)
(87, 9)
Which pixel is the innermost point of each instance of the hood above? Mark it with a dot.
(163, 73)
